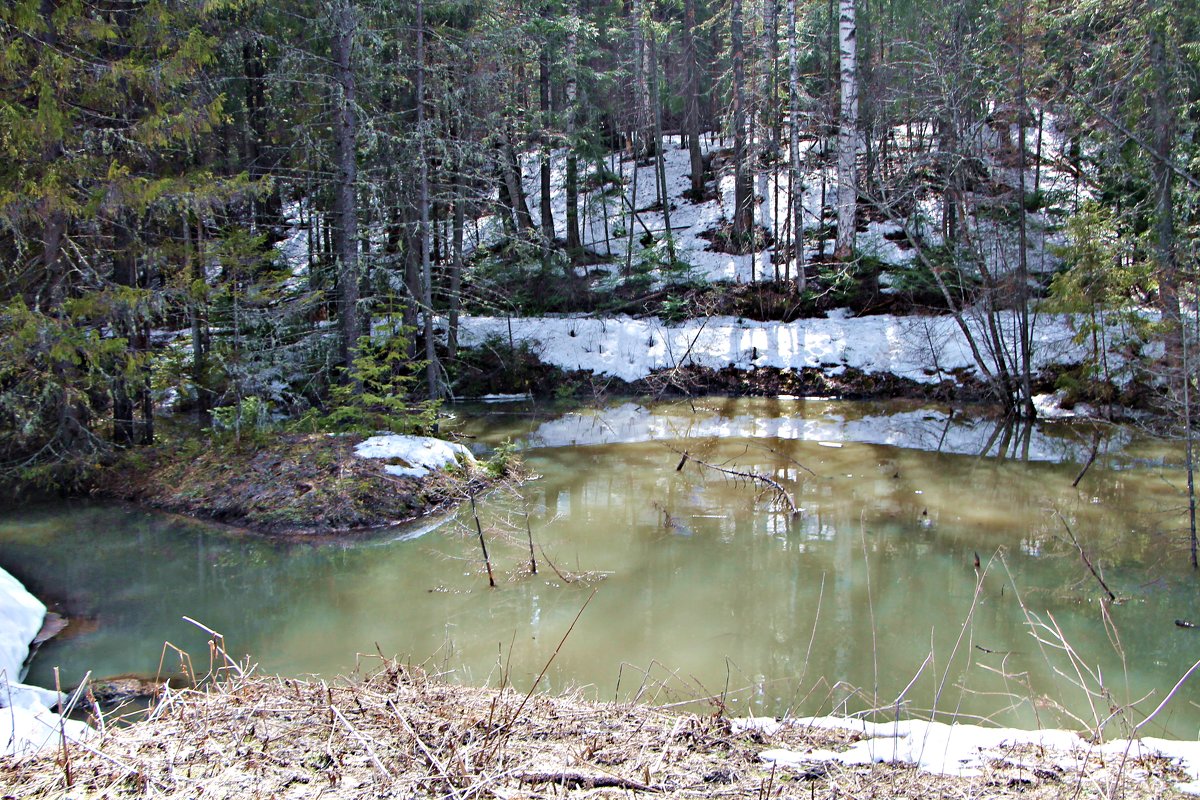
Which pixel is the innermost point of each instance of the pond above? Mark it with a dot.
(697, 583)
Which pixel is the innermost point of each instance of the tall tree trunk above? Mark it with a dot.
(769, 58)
(847, 196)
(1162, 115)
(660, 159)
(796, 182)
(1025, 365)
(124, 274)
(456, 263)
(545, 207)
(691, 113)
(571, 182)
(642, 126)
(193, 268)
(510, 169)
(743, 188)
(432, 367)
(345, 131)
(53, 219)
(412, 273)
(264, 209)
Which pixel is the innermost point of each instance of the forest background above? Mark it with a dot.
(288, 187)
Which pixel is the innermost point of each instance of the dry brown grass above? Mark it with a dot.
(400, 733)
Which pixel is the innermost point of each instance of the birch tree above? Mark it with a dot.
(847, 149)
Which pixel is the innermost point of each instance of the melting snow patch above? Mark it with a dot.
(1049, 406)
(923, 349)
(420, 454)
(26, 722)
(963, 750)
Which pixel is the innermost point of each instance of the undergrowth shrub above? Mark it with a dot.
(376, 394)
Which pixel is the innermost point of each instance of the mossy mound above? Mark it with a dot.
(281, 484)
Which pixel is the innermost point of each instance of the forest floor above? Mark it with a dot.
(282, 484)
(400, 733)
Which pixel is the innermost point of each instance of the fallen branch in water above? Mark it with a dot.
(756, 477)
(557, 571)
(1087, 561)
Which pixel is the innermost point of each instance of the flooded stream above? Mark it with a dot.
(708, 590)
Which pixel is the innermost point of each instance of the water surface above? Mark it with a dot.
(707, 589)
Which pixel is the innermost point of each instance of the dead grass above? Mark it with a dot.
(401, 733)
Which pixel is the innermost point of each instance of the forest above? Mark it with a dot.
(290, 209)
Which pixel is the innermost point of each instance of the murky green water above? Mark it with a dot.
(706, 586)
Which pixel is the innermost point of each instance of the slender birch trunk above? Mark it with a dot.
(847, 196)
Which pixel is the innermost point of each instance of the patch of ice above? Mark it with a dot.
(420, 454)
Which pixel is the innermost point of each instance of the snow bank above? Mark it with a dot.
(26, 722)
(962, 750)
(922, 349)
(420, 454)
(929, 428)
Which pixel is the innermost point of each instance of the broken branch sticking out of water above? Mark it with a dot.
(486, 558)
(1091, 458)
(1083, 555)
(756, 477)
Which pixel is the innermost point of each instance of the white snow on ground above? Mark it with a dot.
(961, 750)
(919, 348)
(688, 219)
(420, 454)
(930, 429)
(26, 722)
(606, 222)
